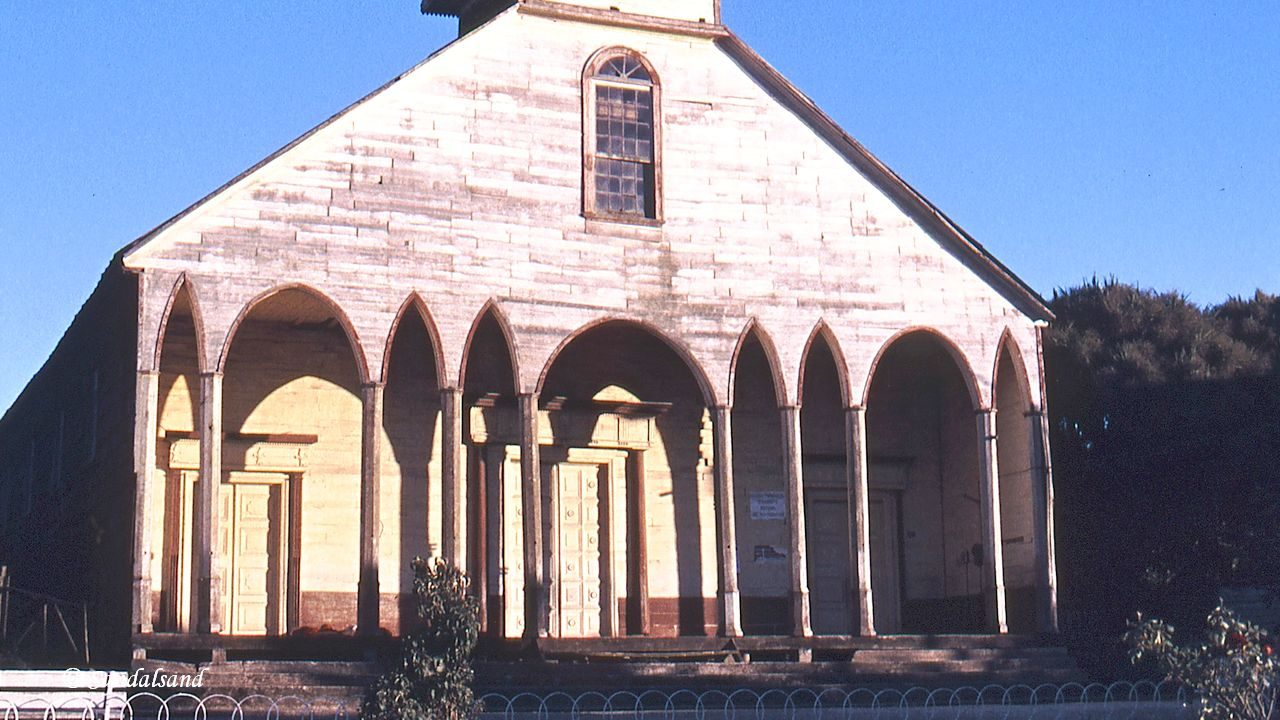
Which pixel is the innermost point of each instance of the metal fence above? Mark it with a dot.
(1073, 701)
(1117, 701)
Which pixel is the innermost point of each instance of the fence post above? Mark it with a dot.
(84, 626)
(4, 603)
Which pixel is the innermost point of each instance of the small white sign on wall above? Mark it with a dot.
(768, 506)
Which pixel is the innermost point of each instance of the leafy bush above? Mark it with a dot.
(432, 679)
(1234, 669)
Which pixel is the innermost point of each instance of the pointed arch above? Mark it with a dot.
(618, 367)
(492, 310)
(1008, 345)
(759, 464)
(823, 332)
(1022, 500)
(415, 302)
(961, 360)
(681, 351)
(353, 338)
(183, 285)
(924, 452)
(755, 330)
(179, 361)
(411, 511)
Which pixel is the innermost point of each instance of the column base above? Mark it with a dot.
(732, 618)
(800, 620)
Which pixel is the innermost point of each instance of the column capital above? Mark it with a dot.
(212, 374)
(373, 385)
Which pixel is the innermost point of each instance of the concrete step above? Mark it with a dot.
(907, 655)
(941, 673)
(930, 661)
(960, 667)
(893, 642)
(290, 666)
(345, 681)
(1033, 664)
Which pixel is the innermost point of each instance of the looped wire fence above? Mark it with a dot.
(182, 706)
(1072, 701)
(1117, 701)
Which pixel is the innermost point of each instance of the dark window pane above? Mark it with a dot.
(624, 124)
(624, 187)
(625, 175)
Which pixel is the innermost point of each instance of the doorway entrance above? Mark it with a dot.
(577, 544)
(253, 546)
(830, 584)
(258, 536)
(253, 552)
(587, 557)
(886, 561)
(585, 551)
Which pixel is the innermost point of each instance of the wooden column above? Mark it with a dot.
(537, 617)
(452, 477)
(1042, 506)
(206, 606)
(993, 573)
(638, 551)
(855, 427)
(723, 467)
(478, 510)
(145, 432)
(368, 597)
(792, 463)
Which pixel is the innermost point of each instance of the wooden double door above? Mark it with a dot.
(583, 553)
(253, 552)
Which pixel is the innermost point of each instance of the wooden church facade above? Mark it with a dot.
(593, 304)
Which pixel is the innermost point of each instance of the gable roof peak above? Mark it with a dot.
(472, 14)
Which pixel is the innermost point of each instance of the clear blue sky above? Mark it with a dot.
(1137, 139)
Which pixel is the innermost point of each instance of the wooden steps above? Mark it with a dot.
(685, 663)
(968, 665)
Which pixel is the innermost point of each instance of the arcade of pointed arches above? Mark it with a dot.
(288, 490)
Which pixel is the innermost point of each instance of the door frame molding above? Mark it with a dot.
(253, 456)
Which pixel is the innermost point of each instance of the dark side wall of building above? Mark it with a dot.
(66, 469)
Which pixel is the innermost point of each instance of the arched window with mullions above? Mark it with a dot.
(621, 144)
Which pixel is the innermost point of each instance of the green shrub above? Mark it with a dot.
(432, 678)
(1234, 669)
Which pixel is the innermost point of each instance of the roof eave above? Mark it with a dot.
(1031, 302)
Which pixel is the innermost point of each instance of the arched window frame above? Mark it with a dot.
(592, 81)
